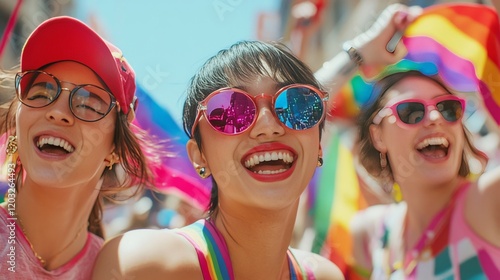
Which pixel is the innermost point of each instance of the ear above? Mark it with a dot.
(131, 115)
(376, 136)
(196, 156)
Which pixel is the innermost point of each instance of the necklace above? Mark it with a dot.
(422, 250)
(40, 259)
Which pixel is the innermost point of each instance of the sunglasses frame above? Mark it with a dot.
(72, 92)
(391, 110)
(202, 105)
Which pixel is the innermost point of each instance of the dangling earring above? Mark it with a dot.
(383, 161)
(387, 183)
(114, 159)
(12, 145)
(202, 171)
(12, 155)
(320, 161)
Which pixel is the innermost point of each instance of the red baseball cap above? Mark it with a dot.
(66, 38)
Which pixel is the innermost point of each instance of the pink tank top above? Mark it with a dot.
(17, 260)
(456, 252)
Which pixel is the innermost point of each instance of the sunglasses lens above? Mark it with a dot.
(450, 109)
(299, 108)
(36, 89)
(411, 112)
(230, 112)
(90, 103)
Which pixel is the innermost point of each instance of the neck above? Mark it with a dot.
(423, 205)
(257, 238)
(54, 220)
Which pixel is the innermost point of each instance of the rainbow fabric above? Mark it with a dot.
(336, 198)
(175, 174)
(461, 42)
(213, 255)
(211, 248)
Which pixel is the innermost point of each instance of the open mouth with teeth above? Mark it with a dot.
(436, 147)
(54, 145)
(269, 163)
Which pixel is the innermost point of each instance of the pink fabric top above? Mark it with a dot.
(454, 250)
(17, 260)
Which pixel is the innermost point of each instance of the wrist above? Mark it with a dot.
(353, 53)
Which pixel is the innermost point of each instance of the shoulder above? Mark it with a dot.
(485, 193)
(147, 253)
(321, 267)
(482, 209)
(489, 182)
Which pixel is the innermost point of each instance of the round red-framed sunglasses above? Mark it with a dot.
(232, 111)
(410, 112)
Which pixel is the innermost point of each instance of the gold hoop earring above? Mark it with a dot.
(320, 161)
(202, 171)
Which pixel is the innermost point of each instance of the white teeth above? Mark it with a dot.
(269, 156)
(274, 156)
(267, 172)
(433, 141)
(55, 141)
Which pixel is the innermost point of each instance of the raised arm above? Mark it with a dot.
(368, 50)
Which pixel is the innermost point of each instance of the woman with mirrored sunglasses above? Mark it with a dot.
(254, 114)
(70, 143)
(447, 226)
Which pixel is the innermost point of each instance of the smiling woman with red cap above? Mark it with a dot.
(70, 143)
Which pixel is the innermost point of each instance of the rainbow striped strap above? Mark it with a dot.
(211, 248)
(298, 272)
(213, 254)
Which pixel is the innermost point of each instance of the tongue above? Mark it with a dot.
(434, 152)
(49, 149)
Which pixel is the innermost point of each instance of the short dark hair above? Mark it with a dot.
(239, 63)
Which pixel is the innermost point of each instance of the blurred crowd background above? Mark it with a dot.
(314, 30)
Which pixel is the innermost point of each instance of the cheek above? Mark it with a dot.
(96, 137)
(311, 145)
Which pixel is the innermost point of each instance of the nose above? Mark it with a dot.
(59, 111)
(434, 116)
(266, 125)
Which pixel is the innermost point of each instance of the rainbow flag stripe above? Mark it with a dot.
(213, 256)
(335, 200)
(463, 41)
(175, 173)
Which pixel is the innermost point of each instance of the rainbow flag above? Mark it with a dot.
(335, 198)
(175, 174)
(461, 42)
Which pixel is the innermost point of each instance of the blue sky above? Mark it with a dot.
(167, 41)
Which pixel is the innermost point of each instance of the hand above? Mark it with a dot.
(372, 43)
